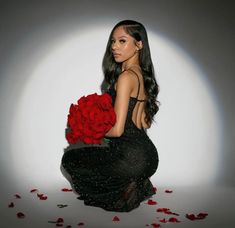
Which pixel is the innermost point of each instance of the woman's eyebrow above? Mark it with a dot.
(120, 37)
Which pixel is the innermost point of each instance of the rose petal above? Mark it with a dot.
(81, 224)
(166, 211)
(34, 190)
(17, 196)
(66, 190)
(115, 219)
(155, 189)
(194, 217)
(43, 198)
(190, 216)
(151, 202)
(162, 209)
(155, 225)
(11, 204)
(173, 220)
(163, 220)
(62, 205)
(60, 220)
(168, 191)
(20, 215)
(202, 215)
(174, 213)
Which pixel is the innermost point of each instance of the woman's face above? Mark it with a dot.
(123, 45)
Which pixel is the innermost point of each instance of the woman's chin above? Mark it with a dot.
(118, 60)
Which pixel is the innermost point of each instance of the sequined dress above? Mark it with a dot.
(114, 175)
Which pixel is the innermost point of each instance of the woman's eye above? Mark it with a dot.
(122, 41)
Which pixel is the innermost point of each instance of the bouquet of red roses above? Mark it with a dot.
(90, 119)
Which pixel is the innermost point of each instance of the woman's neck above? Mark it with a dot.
(129, 66)
(133, 61)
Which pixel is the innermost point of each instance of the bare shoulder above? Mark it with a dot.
(130, 76)
(124, 79)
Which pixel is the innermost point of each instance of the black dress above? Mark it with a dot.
(114, 175)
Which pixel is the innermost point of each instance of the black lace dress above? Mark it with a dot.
(114, 175)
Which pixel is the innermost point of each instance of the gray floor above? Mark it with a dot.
(218, 202)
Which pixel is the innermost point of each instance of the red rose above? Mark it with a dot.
(106, 102)
(90, 119)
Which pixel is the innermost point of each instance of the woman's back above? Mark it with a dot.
(139, 95)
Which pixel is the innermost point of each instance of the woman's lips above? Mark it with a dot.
(116, 54)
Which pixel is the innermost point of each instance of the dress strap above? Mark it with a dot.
(138, 85)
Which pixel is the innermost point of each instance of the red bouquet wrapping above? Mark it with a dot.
(90, 119)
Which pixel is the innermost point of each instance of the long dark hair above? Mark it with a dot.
(112, 69)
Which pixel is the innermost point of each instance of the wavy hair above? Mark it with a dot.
(112, 69)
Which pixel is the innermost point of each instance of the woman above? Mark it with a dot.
(116, 176)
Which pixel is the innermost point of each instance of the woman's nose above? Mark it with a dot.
(114, 46)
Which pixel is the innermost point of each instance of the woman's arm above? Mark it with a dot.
(123, 92)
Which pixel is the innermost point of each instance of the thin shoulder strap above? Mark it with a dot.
(138, 84)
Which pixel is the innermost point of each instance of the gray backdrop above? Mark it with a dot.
(203, 28)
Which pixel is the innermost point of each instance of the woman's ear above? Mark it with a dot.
(139, 45)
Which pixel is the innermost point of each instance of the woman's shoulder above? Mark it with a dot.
(124, 79)
(125, 76)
